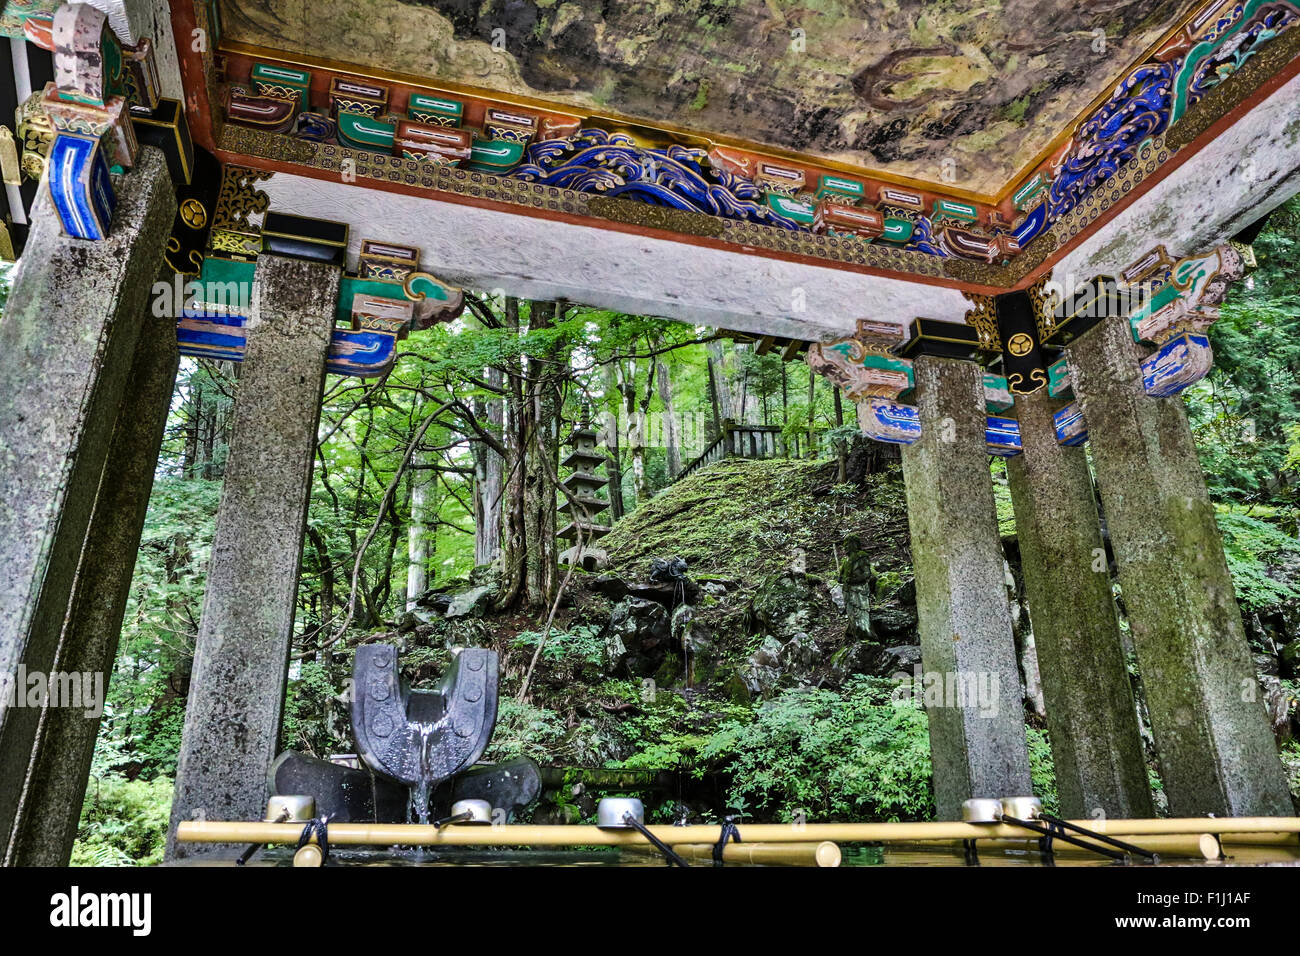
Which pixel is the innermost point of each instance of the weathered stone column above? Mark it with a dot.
(1091, 716)
(66, 346)
(232, 717)
(1217, 754)
(46, 824)
(977, 726)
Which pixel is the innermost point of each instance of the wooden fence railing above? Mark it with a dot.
(741, 441)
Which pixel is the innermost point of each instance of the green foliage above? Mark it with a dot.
(524, 730)
(123, 822)
(853, 754)
(1244, 413)
(1041, 769)
(6, 283)
(1251, 545)
(581, 644)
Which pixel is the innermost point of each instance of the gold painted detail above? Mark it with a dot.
(36, 135)
(1016, 384)
(240, 199)
(193, 214)
(984, 318)
(1221, 99)
(1020, 344)
(655, 217)
(1153, 154)
(1045, 304)
(10, 170)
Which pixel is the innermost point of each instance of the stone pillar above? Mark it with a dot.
(1091, 717)
(66, 346)
(46, 824)
(232, 717)
(1217, 753)
(972, 681)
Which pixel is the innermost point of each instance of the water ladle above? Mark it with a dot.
(628, 813)
(475, 812)
(1024, 811)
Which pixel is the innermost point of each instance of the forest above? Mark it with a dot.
(438, 492)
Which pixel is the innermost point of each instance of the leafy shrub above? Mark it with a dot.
(123, 822)
(1041, 769)
(581, 644)
(1250, 544)
(523, 730)
(854, 754)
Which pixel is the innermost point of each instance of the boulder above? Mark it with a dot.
(1290, 656)
(855, 657)
(761, 674)
(799, 656)
(667, 593)
(637, 638)
(786, 604)
(1277, 702)
(893, 660)
(469, 603)
(893, 622)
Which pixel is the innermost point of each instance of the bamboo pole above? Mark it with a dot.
(825, 853)
(1169, 845)
(1260, 839)
(405, 834)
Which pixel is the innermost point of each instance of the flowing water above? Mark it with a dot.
(417, 810)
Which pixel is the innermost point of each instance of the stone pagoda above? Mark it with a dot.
(583, 502)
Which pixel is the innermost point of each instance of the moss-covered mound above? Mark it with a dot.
(745, 520)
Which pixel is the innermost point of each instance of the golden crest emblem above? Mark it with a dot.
(1020, 344)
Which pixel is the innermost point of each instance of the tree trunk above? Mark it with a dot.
(417, 544)
(716, 396)
(488, 477)
(841, 454)
(672, 440)
(812, 405)
(513, 545)
(541, 462)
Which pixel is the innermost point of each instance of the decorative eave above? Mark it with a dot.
(1264, 69)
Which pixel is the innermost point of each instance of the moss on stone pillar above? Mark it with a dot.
(66, 345)
(1091, 716)
(232, 717)
(47, 820)
(1217, 754)
(976, 715)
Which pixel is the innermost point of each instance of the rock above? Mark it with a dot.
(892, 622)
(1277, 703)
(893, 660)
(637, 637)
(786, 604)
(471, 602)
(837, 597)
(413, 618)
(799, 656)
(1266, 664)
(768, 653)
(1290, 656)
(857, 657)
(669, 593)
(437, 601)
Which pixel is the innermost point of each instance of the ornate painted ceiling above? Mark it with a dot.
(959, 92)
